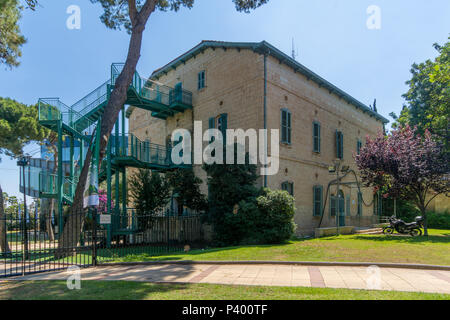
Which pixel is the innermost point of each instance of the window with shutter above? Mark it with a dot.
(288, 186)
(286, 124)
(316, 137)
(333, 206)
(201, 79)
(223, 119)
(339, 145)
(317, 200)
(358, 146)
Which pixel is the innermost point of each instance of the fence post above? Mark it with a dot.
(94, 237)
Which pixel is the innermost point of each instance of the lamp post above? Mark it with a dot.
(23, 162)
(337, 165)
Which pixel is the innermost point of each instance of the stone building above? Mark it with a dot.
(254, 85)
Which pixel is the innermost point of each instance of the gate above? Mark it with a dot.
(30, 244)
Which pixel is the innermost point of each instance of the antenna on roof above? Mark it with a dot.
(294, 54)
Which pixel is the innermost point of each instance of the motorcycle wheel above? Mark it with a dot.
(388, 230)
(415, 232)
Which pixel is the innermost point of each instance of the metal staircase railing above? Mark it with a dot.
(53, 109)
(142, 151)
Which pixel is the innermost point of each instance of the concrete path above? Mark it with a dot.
(418, 280)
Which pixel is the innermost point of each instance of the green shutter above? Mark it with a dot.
(317, 200)
(339, 145)
(332, 205)
(319, 136)
(211, 123)
(289, 127)
(283, 126)
(224, 121)
(358, 146)
(201, 80)
(316, 137)
(286, 124)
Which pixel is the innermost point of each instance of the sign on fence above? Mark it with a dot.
(105, 219)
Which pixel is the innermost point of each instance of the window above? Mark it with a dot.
(358, 146)
(201, 79)
(339, 145)
(220, 123)
(286, 126)
(333, 206)
(316, 137)
(288, 186)
(317, 200)
(359, 212)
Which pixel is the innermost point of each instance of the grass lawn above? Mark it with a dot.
(347, 248)
(114, 290)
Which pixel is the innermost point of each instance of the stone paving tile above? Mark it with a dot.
(268, 275)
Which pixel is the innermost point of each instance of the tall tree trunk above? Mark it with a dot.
(48, 220)
(74, 224)
(48, 216)
(425, 221)
(4, 246)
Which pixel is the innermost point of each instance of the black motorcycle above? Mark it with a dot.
(412, 228)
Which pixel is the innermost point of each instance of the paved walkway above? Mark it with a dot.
(350, 277)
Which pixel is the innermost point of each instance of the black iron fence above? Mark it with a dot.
(32, 244)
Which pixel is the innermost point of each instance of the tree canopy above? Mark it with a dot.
(407, 165)
(19, 126)
(186, 188)
(11, 38)
(428, 97)
(120, 13)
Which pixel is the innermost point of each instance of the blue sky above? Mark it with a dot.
(331, 37)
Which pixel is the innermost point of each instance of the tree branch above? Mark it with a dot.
(428, 202)
(147, 10)
(132, 11)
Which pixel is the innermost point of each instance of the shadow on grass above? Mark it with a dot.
(404, 239)
(196, 252)
(98, 290)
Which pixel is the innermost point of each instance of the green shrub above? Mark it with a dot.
(269, 217)
(438, 220)
(277, 210)
(240, 213)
